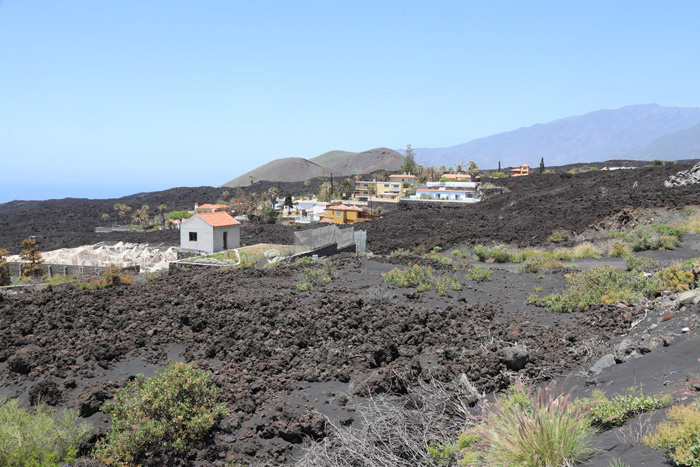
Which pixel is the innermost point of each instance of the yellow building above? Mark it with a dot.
(390, 191)
(343, 214)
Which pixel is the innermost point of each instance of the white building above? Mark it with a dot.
(210, 232)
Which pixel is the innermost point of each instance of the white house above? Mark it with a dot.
(210, 232)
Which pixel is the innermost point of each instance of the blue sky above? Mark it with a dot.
(105, 99)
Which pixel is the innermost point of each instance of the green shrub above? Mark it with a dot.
(268, 215)
(460, 259)
(412, 277)
(559, 236)
(674, 278)
(175, 215)
(619, 249)
(401, 252)
(481, 252)
(111, 278)
(587, 250)
(312, 277)
(41, 438)
(521, 255)
(500, 254)
(640, 263)
(479, 274)
(303, 260)
(679, 436)
(591, 287)
(538, 264)
(530, 428)
(247, 261)
(562, 254)
(175, 407)
(614, 412)
(58, 279)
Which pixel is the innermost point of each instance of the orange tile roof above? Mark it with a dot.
(217, 219)
(213, 206)
(326, 220)
(343, 207)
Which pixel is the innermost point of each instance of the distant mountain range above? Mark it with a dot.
(639, 132)
(337, 163)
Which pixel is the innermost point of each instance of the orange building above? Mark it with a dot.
(521, 171)
(343, 214)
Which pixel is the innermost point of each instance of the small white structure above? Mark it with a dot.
(210, 232)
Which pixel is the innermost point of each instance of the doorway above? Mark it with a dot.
(225, 240)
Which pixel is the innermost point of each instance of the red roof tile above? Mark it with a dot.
(217, 219)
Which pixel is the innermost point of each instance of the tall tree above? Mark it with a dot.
(499, 166)
(326, 191)
(30, 254)
(288, 199)
(105, 217)
(251, 178)
(372, 189)
(143, 215)
(409, 165)
(459, 167)
(272, 195)
(542, 165)
(383, 176)
(226, 195)
(347, 187)
(161, 212)
(473, 169)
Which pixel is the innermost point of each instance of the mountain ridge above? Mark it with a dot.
(593, 136)
(338, 163)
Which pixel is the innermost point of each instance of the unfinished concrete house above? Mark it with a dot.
(210, 232)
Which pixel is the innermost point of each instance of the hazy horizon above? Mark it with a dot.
(102, 100)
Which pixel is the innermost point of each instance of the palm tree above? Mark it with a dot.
(372, 189)
(225, 195)
(105, 217)
(307, 183)
(383, 176)
(161, 211)
(432, 172)
(347, 187)
(459, 167)
(272, 195)
(251, 179)
(473, 170)
(143, 214)
(326, 191)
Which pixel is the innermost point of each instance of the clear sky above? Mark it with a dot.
(103, 99)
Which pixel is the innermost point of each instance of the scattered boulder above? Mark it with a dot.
(92, 398)
(24, 359)
(604, 362)
(689, 298)
(45, 391)
(516, 357)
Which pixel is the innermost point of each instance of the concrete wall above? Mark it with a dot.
(205, 235)
(69, 269)
(209, 239)
(234, 237)
(327, 250)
